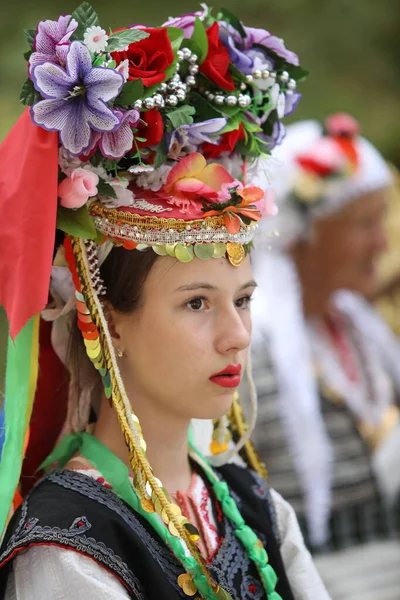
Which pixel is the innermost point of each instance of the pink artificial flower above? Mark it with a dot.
(342, 124)
(192, 179)
(74, 191)
(224, 194)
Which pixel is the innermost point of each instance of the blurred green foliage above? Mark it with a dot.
(350, 47)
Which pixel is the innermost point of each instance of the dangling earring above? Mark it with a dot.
(119, 352)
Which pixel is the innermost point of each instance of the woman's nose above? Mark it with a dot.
(234, 331)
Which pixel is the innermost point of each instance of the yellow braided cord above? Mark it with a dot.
(239, 424)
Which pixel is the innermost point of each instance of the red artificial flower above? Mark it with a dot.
(216, 64)
(227, 143)
(148, 58)
(150, 127)
(312, 165)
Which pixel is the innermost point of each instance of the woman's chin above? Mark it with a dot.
(214, 407)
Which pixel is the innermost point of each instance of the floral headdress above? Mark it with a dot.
(333, 156)
(142, 138)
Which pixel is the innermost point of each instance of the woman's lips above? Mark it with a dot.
(229, 377)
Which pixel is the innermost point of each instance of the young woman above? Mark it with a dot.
(155, 261)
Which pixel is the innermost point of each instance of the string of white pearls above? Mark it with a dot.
(242, 100)
(175, 91)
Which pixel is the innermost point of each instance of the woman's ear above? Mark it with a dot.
(113, 320)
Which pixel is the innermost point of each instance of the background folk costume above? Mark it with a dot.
(130, 131)
(327, 425)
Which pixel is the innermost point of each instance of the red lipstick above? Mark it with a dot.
(228, 377)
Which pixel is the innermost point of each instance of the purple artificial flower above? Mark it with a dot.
(271, 42)
(245, 56)
(187, 138)
(198, 133)
(291, 102)
(115, 144)
(277, 136)
(232, 40)
(248, 58)
(186, 22)
(76, 98)
(52, 41)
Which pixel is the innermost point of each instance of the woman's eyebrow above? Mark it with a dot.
(198, 285)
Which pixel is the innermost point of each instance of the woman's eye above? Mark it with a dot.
(243, 302)
(196, 304)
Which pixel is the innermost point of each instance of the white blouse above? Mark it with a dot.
(53, 573)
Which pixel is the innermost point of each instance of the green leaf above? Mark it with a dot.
(27, 54)
(238, 75)
(251, 127)
(232, 124)
(86, 17)
(119, 40)
(297, 73)
(150, 91)
(234, 21)
(76, 222)
(162, 152)
(28, 94)
(96, 159)
(204, 109)
(132, 91)
(110, 164)
(181, 116)
(175, 37)
(105, 189)
(30, 36)
(199, 36)
(98, 62)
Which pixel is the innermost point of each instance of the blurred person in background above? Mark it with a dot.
(326, 367)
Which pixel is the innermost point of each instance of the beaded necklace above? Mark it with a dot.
(117, 474)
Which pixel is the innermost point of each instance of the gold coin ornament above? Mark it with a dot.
(186, 583)
(236, 253)
(147, 504)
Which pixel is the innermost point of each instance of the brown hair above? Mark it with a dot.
(124, 273)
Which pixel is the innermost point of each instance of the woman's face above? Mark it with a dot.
(193, 322)
(345, 246)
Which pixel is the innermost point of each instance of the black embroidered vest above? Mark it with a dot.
(75, 511)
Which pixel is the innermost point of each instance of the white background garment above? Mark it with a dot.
(52, 573)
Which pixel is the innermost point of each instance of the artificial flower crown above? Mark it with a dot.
(146, 117)
(333, 157)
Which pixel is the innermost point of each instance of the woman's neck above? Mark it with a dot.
(166, 439)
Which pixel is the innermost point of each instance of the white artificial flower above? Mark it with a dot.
(135, 169)
(99, 170)
(67, 161)
(280, 105)
(95, 38)
(123, 68)
(124, 197)
(155, 180)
